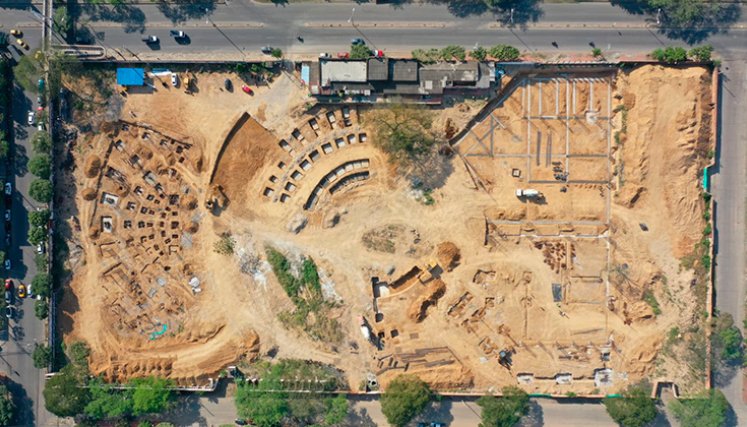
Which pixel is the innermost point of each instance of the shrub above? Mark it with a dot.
(41, 356)
(41, 309)
(359, 51)
(634, 409)
(480, 53)
(504, 52)
(596, 52)
(42, 284)
(225, 245)
(670, 54)
(701, 53)
(276, 53)
(453, 52)
(708, 409)
(41, 143)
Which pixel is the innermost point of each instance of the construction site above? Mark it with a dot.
(549, 257)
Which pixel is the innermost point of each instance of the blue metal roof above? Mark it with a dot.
(130, 76)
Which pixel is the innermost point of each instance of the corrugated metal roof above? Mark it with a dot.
(378, 69)
(404, 70)
(130, 76)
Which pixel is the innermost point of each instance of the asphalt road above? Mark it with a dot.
(24, 330)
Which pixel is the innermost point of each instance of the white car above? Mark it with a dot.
(8, 189)
(7, 264)
(40, 249)
(31, 118)
(7, 215)
(174, 79)
(324, 55)
(40, 126)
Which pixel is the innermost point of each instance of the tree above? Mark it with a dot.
(480, 53)
(151, 395)
(504, 52)
(690, 13)
(60, 21)
(359, 51)
(41, 190)
(276, 53)
(41, 356)
(707, 410)
(107, 402)
(39, 218)
(337, 410)
(265, 409)
(41, 166)
(596, 52)
(27, 71)
(78, 353)
(634, 409)
(7, 408)
(670, 54)
(42, 284)
(404, 398)
(505, 411)
(37, 235)
(403, 132)
(727, 339)
(453, 52)
(41, 309)
(41, 143)
(64, 394)
(3, 39)
(4, 148)
(701, 53)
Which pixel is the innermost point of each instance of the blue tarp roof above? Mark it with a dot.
(130, 76)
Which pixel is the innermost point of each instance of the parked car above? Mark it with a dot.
(8, 297)
(40, 126)
(40, 100)
(343, 55)
(357, 41)
(150, 39)
(7, 215)
(7, 264)
(29, 292)
(228, 84)
(21, 290)
(378, 53)
(266, 50)
(247, 89)
(174, 79)
(9, 311)
(178, 34)
(16, 33)
(22, 43)
(8, 189)
(41, 248)
(324, 55)
(31, 118)
(8, 284)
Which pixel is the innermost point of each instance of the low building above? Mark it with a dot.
(376, 79)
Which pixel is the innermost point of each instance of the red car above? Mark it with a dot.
(247, 89)
(378, 53)
(8, 284)
(343, 55)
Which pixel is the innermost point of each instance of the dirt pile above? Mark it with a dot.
(448, 255)
(428, 298)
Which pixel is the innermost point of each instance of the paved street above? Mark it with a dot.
(25, 329)
(240, 28)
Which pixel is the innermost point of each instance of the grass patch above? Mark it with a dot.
(312, 312)
(650, 299)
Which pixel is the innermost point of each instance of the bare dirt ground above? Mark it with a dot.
(559, 282)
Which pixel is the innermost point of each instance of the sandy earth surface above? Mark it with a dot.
(557, 282)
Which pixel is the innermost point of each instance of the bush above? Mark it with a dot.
(41, 356)
(701, 53)
(41, 309)
(276, 53)
(265, 409)
(670, 54)
(505, 411)
(453, 52)
(634, 409)
(225, 245)
(504, 52)
(78, 353)
(707, 410)
(42, 284)
(41, 166)
(4, 148)
(405, 398)
(359, 51)
(479, 54)
(41, 190)
(39, 218)
(596, 52)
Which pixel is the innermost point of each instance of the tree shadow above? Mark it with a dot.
(179, 12)
(24, 413)
(186, 411)
(360, 418)
(131, 17)
(534, 417)
(437, 411)
(693, 26)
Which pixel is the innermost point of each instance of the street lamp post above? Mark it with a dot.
(350, 20)
(658, 16)
(511, 18)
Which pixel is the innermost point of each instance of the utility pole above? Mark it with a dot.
(511, 18)
(350, 20)
(658, 16)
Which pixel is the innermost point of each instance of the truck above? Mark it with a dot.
(528, 193)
